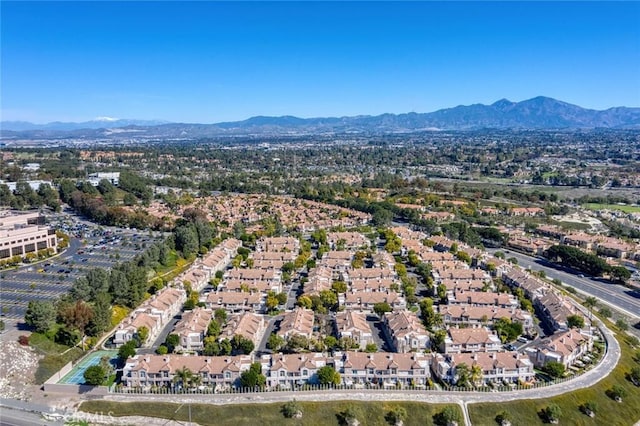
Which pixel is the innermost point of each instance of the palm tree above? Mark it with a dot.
(183, 376)
(590, 302)
(476, 374)
(462, 371)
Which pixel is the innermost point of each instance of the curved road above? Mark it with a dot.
(588, 379)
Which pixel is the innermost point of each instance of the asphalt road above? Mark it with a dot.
(10, 417)
(612, 294)
(22, 413)
(162, 336)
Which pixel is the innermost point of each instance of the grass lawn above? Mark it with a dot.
(314, 413)
(609, 412)
(55, 356)
(622, 207)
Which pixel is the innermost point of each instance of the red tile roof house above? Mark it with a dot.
(460, 340)
(497, 367)
(235, 302)
(354, 325)
(220, 373)
(196, 276)
(128, 329)
(365, 301)
(383, 368)
(483, 298)
(290, 371)
(565, 347)
(406, 331)
(350, 240)
(320, 278)
(248, 325)
(555, 309)
(162, 306)
(476, 316)
(297, 322)
(192, 328)
(278, 244)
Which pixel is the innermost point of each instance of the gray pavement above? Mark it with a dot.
(22, 413)
(586, 380)
(615, 295)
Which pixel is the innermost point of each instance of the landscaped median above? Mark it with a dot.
(313, 413)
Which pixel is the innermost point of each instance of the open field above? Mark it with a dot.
(314, 413)
(622, 207)
(609, 412)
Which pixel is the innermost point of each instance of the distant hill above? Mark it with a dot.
(537, 113)
(98, 123)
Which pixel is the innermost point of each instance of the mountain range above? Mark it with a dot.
(537, 113)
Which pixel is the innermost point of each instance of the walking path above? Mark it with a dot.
(586, 380)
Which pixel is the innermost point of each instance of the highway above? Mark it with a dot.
(615, 295)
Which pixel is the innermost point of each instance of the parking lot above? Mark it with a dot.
(91, 246)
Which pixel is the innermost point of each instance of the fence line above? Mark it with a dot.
(210, 390)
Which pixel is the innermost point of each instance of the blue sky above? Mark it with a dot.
(209, 62)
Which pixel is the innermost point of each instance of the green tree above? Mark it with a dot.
(101, 319)
(620, 273)
(590, 302)
(275, 342)
(503, 418)
(94, 375)
(617, 392)
(272, 301)
(182, 377)
(552, 413)
(371, 347)
(327, 375)
(143, 334)
(463, 375)
(329, 299)
(162, 350)
(438, 339)
(339, 286)
(442, 293)
(476, 375)
(127, 350)
(554, 369)
(41, 315)
(292, 410)
(330, 342)
(381, 308)
(351, 416)
(575, 321)
(447, 417)
(305, 302)
(214, 328)
(605, 312)
(297, 342)
(172, 341)
(241, 345)
(622, 324)
(589, 408)
(396, 416)
(253, 377)
(634, 375)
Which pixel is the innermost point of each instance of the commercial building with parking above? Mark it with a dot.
(23, 233)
